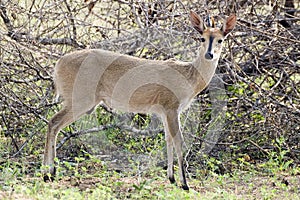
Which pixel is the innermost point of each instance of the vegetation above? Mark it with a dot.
(241, 133)
(92, 179)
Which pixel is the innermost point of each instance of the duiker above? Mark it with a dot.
(88, 77)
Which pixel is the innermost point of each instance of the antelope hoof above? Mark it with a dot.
(172, 180)
(185, 187)
(50, 177)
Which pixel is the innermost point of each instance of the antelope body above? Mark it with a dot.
(88, 77)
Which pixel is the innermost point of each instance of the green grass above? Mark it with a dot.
(91, 179)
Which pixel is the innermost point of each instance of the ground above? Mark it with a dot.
(84, 183)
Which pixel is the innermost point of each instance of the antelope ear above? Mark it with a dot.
(197, 22)
(229, 24)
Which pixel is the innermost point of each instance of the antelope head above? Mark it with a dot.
(211, 37)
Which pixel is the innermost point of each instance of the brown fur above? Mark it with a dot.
(88, 77)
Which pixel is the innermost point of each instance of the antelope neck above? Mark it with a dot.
(205, 67)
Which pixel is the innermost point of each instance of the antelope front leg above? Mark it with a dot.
(170, 155)
(177, 140)
(172, 123)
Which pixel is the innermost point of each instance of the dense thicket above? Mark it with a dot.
(252, 106)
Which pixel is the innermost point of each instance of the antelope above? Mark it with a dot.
(86, 78)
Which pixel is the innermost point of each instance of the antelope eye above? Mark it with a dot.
(202, 39)
(220, 41)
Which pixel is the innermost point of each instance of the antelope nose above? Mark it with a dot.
(209, 56)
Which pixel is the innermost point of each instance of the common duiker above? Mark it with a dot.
(88, 77)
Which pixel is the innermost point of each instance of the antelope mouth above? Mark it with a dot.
(209, 56)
